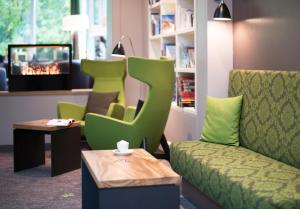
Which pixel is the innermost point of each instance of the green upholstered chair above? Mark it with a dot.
(108, 76)
(103, 132)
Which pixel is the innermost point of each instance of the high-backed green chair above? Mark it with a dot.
(103, 132)
(108, 76)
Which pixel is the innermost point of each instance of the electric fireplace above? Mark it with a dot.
(39, 67)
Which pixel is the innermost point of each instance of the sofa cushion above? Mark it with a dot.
(237, 177)
(270, 117)
(222, 120)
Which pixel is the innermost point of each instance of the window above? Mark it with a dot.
(32, 21)
(97, 33)
(40, 22)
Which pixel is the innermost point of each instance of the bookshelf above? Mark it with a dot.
(172, 34)
(211, 67)
(213, 60)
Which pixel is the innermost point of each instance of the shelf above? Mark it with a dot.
(155, 6)
(50, 92)
(190, 110)
(167, 35)
(155, 37)
(187, 31)
(180, 37)
(185, 70)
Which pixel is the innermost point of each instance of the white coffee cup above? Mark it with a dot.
(122, 146)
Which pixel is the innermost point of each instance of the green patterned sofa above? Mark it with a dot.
(264, 171)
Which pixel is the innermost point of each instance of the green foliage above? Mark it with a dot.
(13, 14)
(15, 22)
(49, 17)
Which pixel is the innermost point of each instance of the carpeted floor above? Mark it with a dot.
(35, 188)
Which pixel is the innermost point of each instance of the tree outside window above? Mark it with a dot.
(32, 22)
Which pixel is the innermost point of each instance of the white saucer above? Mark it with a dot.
(128, 152)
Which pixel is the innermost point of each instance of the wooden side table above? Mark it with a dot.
(135, 181)
(29, 146)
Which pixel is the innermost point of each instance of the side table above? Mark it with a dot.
(29, 146)
(135, 181)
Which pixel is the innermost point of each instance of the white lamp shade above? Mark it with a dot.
(75, 22)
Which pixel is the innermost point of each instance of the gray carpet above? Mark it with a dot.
(35, 188)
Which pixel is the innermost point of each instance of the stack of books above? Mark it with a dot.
(185, 92)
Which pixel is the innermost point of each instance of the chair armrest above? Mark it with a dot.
(116, 110)
(129, 114)
(103, 132)
(70, 110)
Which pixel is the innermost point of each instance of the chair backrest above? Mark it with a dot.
(159, 75)
(270, 118)
(108, 76)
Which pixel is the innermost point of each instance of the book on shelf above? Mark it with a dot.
(186, 18)
(191, 56)
(60, 122)
(155, 24)
(169, 50)
(174, 93)
(187, 56)
(167, 23)
(185, 92)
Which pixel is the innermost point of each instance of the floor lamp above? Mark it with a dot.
(75, 23)
(119, 51)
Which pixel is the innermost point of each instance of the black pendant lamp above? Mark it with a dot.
(222, 12)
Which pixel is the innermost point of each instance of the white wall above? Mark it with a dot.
(23, 108)
(129, 17)
(220, 52)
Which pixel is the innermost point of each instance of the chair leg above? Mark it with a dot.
(83, 143)
(163, 143)
(165, 146)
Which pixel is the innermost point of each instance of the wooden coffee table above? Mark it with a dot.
(29, 146)
(135, 181)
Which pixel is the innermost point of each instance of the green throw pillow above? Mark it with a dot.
(222, 120)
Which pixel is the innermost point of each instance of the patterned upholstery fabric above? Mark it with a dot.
(250, 176)
(270, 119)
(236, 177)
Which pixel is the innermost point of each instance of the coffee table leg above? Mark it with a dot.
(89, 189)
(29, 149)
(65, 150)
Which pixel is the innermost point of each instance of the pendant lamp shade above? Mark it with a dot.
(222, 12)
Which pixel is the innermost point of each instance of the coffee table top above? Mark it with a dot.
(138, 169)
(41, 125)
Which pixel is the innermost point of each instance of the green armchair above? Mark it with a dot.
(103, 132)
(108, 76)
